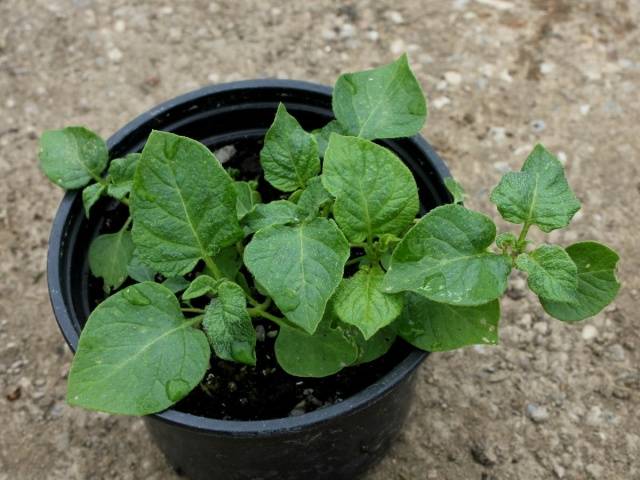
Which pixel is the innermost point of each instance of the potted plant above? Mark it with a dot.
(264, 306)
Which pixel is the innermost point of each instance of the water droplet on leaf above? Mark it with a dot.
(135, 297)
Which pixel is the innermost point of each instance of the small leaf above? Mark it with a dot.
(438, 327)
(537, 195)
(313, 198)
(322, 354)
(121, 172)
(248, 197)
(322, 134)
(137, 354)
(228, 261)
(455, 189)
(290, 155)
(183, 204)
(109, 257)
(71, 157)
(138, 271)
(200, 286)
(386, 102)
(552, 273)
(90, 195)
(228, 325)
(176, 284)
(444, 257)
(360, 302)
(597, 283)
(373, 348)
(299, 266)
(375, 192)
(506, 240)
(278, 212)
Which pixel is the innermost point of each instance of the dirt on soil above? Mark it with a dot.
(551, 401)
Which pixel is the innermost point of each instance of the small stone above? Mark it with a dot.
(547, 68)
(584, 109)
(347, 30)
(166, 10)
(397, 46)
(594, 417)
(328, 34)
(558, 470)
(537, 413)
(526, 320)
(213, 77)
(260, 333)
(505, 76)
(499, 134)
(395, 17)
(225, 153)
(440, 102)
(372, 35)
(14, 394)
(538, 125)
(453, 78)
(272, 334)
(541, 327)
(562, 158)
(616, 352)
(482, 456)
(501, 166)
(119, 26)
(115, 55)
(589, 332)
(10, 103)
(175, 34)
(595, 471)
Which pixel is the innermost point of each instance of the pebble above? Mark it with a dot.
(558, 470)
(373, 35)
(453, 78)
(440, 102)
(398, 46)
(497, 4)
(537, 413)
(119, 26)
(272, 334)
(260, 333)
(526, 320)
(347, 31)
(225, 153)
(547, 68)
(501, 166)
(115, 55)
(541, 327)
(616, 352)
(395, 17)
(595, 471)
(562, 158)
(505, 76)
(584, 109)
(538, 125)
(328, 34)
(589, 332)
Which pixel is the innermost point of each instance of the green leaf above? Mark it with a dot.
(137, 354)
(71, 157)
(322, 134)
(444, 257)
(278, 212)
(90, 195)
(138, 271)
(375, 192)
(386, 102)
(121, 172)
(290, 155)
(537, 195)
(183, 204)
(506, 240)
(455, 189)
(313, 198)
(200, 286)
(552, 274)
(228, 325)
(360, 302)
(373, 348)
(438, 327)
(248, 197)
(597, 283)
(176, 284)
(324, 353)
(299, 266)
(109, 257)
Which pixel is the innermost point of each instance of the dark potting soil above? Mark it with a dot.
(232, 391)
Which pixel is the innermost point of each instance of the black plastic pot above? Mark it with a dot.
(337, 442)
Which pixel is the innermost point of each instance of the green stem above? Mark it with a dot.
(523, 237)
(357, 245)
(211, 265)
(125, 201)
(126, 224)
(196, 320)
(192, 310)
(354, 260)
(260, 313)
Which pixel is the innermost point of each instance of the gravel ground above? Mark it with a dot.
(552, 401)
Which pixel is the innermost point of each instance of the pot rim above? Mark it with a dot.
(252, 428)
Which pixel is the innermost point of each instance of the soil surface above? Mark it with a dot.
(552, 401)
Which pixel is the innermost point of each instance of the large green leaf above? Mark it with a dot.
(375, 192)
(290, 155)
(438, 327)
(444, 257)
(183, 204)
(109, 257)
(360, 302)
(137, 354)
(299, 266)
(121, 172)
(552, 273)
(71, 157)
(228, 325)
(537, 195)
(597, 283)
(278, 212)
(386, 102)
(90, 195)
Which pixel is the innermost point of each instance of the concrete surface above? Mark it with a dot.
(552, 401)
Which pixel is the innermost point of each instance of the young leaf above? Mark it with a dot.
(373, 348)
(506, 240)
(313, 198)
(386, 102)
(90, 195)
(444, 257)
(537, 195)
(200, 286)
(278, 212)
(137, 354)
(299, 266)
(322, 134)
(109, 257)
(375, 192)
(438, 327)
(290, 155)
(455, 189)
(597, 283)
(360, 302)
(228, 261)
(71, 157)
(183, 204)
(121, 171)
(138, 271)
(175, 284)
(228, 325)
(552, 273)
(324, 353)
(248, 197)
